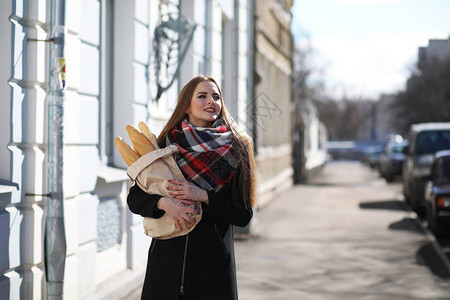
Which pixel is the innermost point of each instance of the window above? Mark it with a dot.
(108, 223)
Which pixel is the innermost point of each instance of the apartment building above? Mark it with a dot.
(273, 102)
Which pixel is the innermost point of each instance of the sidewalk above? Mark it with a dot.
(346, 236)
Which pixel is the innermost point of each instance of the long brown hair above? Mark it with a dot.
(244, 144)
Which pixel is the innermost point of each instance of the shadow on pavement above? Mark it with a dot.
(339, 183)
(407, 224)
(426, 256)
(388, 205)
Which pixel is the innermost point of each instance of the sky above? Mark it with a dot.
(367, 47)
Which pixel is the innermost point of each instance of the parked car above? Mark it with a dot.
(437, 194)
(424, 141)
(391, 160)
(372, 155)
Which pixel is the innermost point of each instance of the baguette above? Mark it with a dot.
(141, 144)
(143, 127)
(128, 154)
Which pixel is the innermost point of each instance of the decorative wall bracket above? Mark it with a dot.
(171, 41)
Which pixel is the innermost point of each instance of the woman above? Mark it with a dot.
(218, 164)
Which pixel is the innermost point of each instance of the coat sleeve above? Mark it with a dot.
(228, 206)
(141, 203)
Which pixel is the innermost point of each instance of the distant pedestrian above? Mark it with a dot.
(218, 164)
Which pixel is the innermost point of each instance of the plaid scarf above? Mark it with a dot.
(206, 157)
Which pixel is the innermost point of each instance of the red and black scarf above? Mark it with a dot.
(206, 157)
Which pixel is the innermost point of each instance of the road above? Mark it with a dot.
(345, 235)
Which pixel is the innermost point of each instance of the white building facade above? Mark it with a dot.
(310, 140)
(112, 78)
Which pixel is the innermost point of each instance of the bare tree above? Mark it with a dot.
(304, 88)
(426, 97)
(345, 118)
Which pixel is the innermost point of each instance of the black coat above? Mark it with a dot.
(210, 271)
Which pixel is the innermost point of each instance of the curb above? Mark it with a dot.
(430, 236)
(436, 246)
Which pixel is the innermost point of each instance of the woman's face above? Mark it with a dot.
(205, 104)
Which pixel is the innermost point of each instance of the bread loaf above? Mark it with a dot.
(128, 154)
(143, 127)
(141, 143)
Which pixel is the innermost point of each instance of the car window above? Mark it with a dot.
(397, 148)
(442, 170)
(429, 142)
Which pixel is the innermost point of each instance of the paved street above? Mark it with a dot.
(346, 235)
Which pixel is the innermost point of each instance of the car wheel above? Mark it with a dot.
(407, 199)
(405, 193)
(389, 178)
(415, 206)
(433, 224)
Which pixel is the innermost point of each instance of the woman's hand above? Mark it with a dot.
(178, 210)
(187, 191)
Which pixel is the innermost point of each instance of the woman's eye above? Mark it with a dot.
(215, 97)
